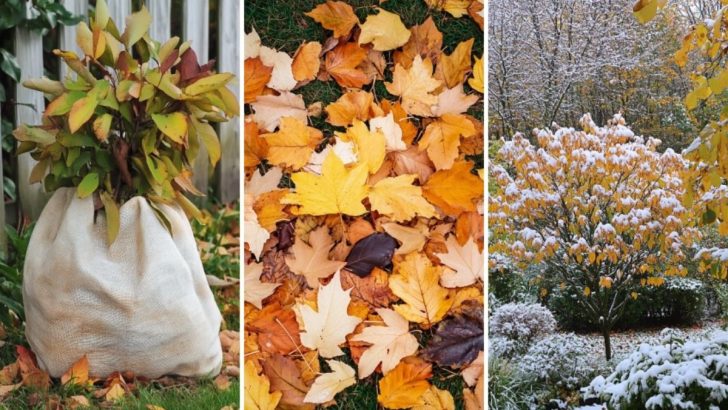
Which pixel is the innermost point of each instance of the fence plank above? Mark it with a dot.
(68, 33)
(29, 52)
(228, 46)
(118, 10)
(195, 28)
(161, 11)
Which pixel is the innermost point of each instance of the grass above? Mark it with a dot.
(203, 396)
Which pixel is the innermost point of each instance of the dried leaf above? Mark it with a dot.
(457, 341)
(375, 250)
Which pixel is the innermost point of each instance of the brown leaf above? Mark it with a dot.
(285, 377)
(458, 341)
(372, 290)
(426, 41)
(222, 382)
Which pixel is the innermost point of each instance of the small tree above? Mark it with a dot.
(600, 208)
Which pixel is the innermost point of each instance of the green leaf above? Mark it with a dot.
(172, 125)
(112, 216)
(9, 65)
(88, 185)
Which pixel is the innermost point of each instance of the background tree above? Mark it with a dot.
(599, 207)
(553, 61)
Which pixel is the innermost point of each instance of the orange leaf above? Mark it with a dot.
(341, 63)
(336, 16)
(277, 329)
(426, 42)
(306, 62)
(257, 76)
(256, 149)
(454, 190)
(353, 105)
(77, 374)
(404, 386)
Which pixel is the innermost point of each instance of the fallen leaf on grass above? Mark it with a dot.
(404, 386)
(467, 261)
(312, 260)
(257, 390)
(336, 16)
(326, 328)
(384, 30)
(415, 281)
(78, 373)
(286, 378)
(457, 341)
(390, 343)
(375, 250)
(327, 385)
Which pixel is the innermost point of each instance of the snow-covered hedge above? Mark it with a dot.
(565, 361)
(674, 375)
(514, 326)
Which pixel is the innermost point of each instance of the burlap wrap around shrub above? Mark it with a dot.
(142, 304)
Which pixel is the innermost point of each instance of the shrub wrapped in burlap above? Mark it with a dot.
(142, 304)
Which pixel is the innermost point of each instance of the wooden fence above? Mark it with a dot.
(195, 25)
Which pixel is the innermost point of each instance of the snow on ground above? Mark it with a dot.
(626, 342)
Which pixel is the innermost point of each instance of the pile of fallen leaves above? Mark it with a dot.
(364, 238)
(78, 389)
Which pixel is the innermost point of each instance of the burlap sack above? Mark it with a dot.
(142, 304)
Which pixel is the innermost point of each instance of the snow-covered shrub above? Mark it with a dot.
(564, 361)
(677, 375)
(519, 324)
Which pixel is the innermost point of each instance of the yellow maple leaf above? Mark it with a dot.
(336, 16)
(257, 390)
(399, 199)
(415, 86)
(442, 139)
(336, 190)
(293, 144)
(451, 69)
(476, 82)
(370, 146)
(416, 282)
(456, 8)
(384, 30)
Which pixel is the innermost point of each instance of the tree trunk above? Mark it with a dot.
(607, 343)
